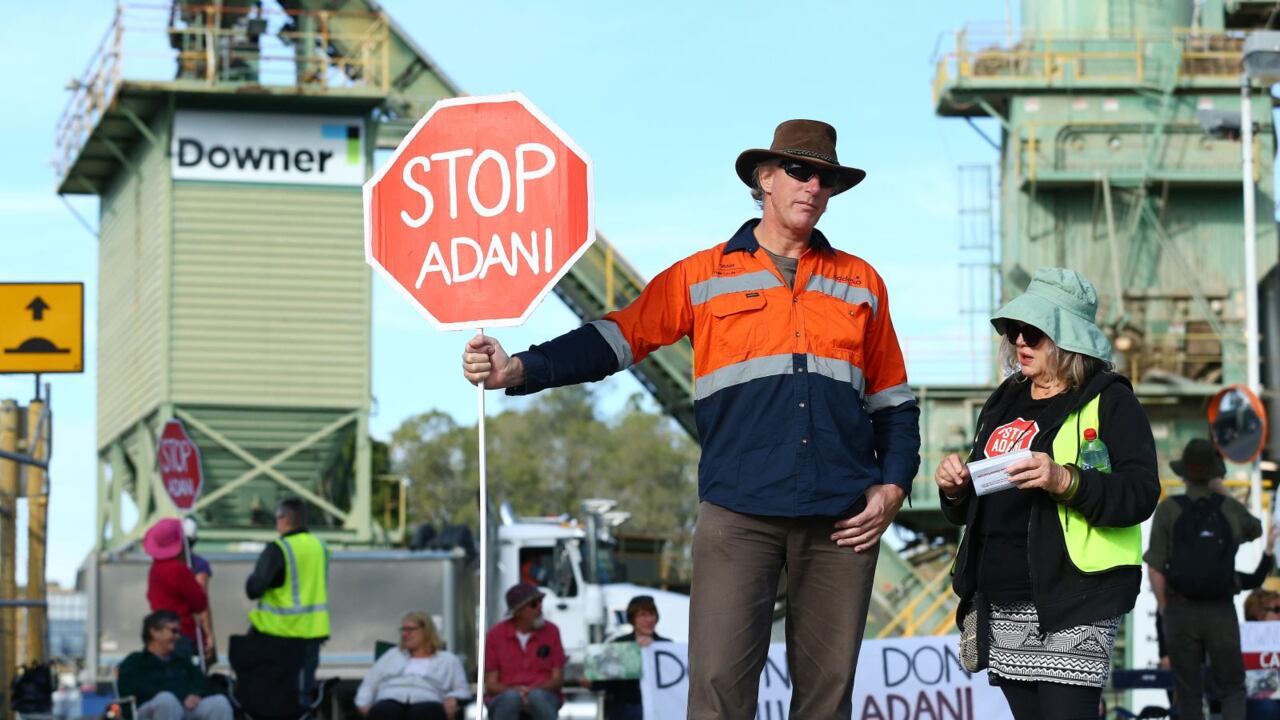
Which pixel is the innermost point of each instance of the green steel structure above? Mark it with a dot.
(1105, 168)
(242, 308)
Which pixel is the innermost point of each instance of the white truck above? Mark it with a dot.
(570, 559)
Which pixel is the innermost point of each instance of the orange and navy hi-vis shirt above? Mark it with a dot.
(800, 394)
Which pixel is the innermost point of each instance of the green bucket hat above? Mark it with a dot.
(1062, 303)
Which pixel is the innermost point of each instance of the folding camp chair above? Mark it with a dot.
(1151, 679)
(120, 708)
(268, 678)
(31, 694)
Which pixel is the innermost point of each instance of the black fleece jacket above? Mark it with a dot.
(1065, 596)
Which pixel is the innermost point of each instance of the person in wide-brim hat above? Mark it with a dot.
(1068, 524)
(1063, 304)
(521, 594)
(1200, 462)
(831, 473)
(164, 539)
(808, 141)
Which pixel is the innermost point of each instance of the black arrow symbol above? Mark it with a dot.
(37, 308)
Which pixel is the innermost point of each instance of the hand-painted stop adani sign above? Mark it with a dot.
(179, 461)
(481, 210)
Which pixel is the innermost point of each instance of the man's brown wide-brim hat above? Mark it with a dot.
(808, 141)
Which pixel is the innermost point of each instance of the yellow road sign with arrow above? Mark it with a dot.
(41, 327)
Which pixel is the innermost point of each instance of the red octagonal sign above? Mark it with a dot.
(483, 208)
(179, 461)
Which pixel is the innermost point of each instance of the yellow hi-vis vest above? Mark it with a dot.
(299, 608)
(1091, 549)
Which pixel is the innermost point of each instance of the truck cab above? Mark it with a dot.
(572, 561)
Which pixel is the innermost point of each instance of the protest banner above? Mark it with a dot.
(1260, 644)
(898, 679)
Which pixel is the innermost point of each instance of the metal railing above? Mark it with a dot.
(1053, 60)
(91, 95)
(210, 46)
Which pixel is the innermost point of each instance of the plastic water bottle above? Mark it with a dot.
(1094, 453)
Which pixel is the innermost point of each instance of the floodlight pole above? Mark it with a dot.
(1252, 360)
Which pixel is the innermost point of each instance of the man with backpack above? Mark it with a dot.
(1191, 561)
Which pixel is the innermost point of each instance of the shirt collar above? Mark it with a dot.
(1196, 491)
(745, 239)
(533, 632)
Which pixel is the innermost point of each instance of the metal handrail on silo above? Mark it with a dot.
(351, 53)
(1045, 57)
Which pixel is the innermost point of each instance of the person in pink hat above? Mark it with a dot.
(170, 583)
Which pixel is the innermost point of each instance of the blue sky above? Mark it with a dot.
(662, 95)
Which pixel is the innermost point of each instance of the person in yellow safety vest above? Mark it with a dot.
(290, 581)
(1049, 565)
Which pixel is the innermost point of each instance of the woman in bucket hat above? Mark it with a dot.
(1047, 568)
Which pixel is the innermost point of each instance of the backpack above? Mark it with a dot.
(32, 690)
(1202, 564)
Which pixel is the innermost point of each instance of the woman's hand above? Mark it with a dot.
(951, 476)
(1040, 471)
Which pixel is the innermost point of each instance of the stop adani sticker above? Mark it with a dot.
(1015, 435)
(268, 148)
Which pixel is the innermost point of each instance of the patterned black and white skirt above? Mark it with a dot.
(1078, 655)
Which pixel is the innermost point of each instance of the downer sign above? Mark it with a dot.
(268, 148)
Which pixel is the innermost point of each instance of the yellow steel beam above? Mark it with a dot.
(37, 492)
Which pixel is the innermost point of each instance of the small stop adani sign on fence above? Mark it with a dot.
(179, 461)
(484, 206)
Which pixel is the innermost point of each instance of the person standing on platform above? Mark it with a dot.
(810, 434)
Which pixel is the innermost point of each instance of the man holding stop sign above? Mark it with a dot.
(810, 434)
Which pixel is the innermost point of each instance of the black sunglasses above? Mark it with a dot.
(827, 177)
(1031, 334)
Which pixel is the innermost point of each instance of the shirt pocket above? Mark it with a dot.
(840, 328)
(737, 323)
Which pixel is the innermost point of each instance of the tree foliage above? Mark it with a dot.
(547, 458)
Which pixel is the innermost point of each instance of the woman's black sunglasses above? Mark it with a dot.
(827, 177)
(1031, 334)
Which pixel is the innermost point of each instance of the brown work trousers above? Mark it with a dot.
(737, 560)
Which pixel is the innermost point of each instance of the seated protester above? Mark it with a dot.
(418, 680)
(166, 686)
(622, 697)
(524, 661)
